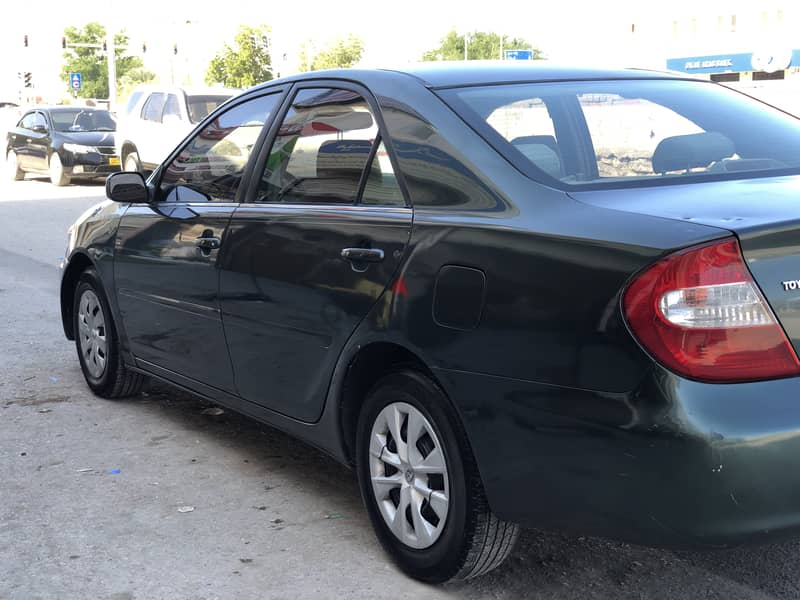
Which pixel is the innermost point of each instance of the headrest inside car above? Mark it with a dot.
(693, 151)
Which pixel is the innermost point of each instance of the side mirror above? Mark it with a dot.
(40, 129)
(126, 187)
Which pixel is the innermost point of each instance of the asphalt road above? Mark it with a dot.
(91, 490)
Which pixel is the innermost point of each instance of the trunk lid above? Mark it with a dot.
(764, 213)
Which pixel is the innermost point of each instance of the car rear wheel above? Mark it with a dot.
(14, 172)
(132, 162)
(421, 486)
(57, 175)
(97, 342)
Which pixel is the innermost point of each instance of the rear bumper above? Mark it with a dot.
(676, 463)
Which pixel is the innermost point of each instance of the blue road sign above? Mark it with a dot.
(75, 81)
(519, 54)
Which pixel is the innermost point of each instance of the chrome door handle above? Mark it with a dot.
(361, 255)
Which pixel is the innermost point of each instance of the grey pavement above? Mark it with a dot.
(90, 490)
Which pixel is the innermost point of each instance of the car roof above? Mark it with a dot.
(439, 74)
(188, 90)
(474, 72)
(65, 108)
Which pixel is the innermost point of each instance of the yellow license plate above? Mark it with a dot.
(113, 161)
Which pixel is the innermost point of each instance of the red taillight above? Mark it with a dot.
(700, 314)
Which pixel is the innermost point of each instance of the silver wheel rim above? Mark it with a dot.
(92, 334)
(408, 469)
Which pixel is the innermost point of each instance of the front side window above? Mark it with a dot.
(151, 111)
(27, 121)
(321, 150)
(631, 132)
(39, 120)
(211, 164)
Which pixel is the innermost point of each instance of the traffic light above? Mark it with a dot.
(104, 47)
(25, 40)
(175, 49)
(27, 79)
(144, 47)
(63, 41)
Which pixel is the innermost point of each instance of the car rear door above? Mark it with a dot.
(314, 249)
(167, 252)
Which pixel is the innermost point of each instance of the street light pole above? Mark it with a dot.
(112, 69)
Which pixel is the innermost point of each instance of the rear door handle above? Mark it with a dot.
(362, 255)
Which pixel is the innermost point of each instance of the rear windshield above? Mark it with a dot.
(632, 132)
(200, 106)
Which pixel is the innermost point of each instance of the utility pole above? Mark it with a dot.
(112, 69)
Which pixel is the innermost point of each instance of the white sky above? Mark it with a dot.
(394, 32)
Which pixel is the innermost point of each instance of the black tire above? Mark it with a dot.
(116, 379)
(473, 541)
(14, 172)
(131, 162)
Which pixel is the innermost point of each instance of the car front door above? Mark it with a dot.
(19, 140)
(167, 252)
(313, 251)
(41, 139)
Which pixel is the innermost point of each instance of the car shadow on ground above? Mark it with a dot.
(544, 565)
(92, 183)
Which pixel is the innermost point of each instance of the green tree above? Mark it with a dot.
(341, 54)
(245, 65)
(481, 45)
(92, 62)
(133, 78)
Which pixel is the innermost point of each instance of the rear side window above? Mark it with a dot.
(381, 187)
(202, 106)
(153, 107)
(321, 150)
(210, 166)
(630, 132)
(172, 108)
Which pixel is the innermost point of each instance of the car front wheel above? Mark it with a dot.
(420, 484)
(97, 342)
(57, 175)
(14, 172)
(132, 162)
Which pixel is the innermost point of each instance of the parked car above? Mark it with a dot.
(505, 294)
(64, 142)
(155, 119)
